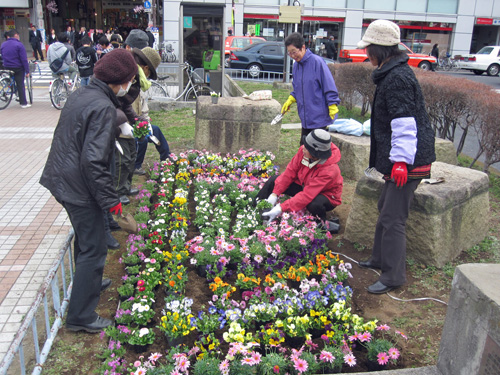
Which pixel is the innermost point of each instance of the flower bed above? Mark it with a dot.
(278, 300)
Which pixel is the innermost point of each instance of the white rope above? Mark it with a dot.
(393, 297)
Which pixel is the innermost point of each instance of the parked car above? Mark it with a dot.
(235, 43)
(486, 60)
(256, 58)
(417, 60)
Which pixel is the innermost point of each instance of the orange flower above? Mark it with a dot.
(171, 283)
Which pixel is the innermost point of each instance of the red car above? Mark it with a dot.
(417, 60)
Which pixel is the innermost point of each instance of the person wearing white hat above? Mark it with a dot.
(312, 179)
(401, 148)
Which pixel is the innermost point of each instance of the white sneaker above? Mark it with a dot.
(26, 106)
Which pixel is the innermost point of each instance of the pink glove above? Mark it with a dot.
(116, 210)
(399, 173)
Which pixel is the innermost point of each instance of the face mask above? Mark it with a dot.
(309, 162)
(122, 91)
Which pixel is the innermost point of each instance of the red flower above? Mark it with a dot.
(140, 283)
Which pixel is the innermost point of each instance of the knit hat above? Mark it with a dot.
(382, 33)
(151, 58)
(137, 39)
(116, 67)
(318, 144)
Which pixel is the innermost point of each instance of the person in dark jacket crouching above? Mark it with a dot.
(402, 149)
(312, 179)
(77, 173)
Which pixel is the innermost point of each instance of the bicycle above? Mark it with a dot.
(167, 53)
(193, 89)
(447, 63)
(60, 89)
(8, 87)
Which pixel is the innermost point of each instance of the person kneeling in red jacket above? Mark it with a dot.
(312, 179)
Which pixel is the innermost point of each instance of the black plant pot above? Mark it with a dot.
(201, 271)
(140, 348)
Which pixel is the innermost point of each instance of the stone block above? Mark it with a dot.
(444, 219)
(355, 153)
(236, 123)
(470, 342)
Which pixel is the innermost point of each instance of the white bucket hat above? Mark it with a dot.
(381, 32)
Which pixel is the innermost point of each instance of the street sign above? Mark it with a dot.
(289, 14)
(188, 22)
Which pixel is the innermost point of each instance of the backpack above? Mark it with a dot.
(58, 63)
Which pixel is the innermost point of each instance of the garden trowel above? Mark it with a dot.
(278, 118)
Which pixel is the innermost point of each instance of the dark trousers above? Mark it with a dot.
(142, 147)
(318, 207)
(37, 50)
(389, 246)
(125, 165)
(90, 251)
(305, 132)
(19, 75)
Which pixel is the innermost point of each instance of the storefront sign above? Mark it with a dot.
(188, 22)
(484, 21)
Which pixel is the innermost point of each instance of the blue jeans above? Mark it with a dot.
(84, 81)
(142, 147)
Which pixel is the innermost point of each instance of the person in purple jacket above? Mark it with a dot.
(15, 59)
(314, 89)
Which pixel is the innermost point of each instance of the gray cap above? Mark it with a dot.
(318, 144)
(137, 39)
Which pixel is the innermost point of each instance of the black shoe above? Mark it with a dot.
(368, 264)
(105, 284)
(95, 327)
(111, 241)
(336, 220)
(124, 200)
(331, 227)
(139, 172)
(379, 288)
(133, 191)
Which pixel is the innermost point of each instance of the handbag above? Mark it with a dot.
(58, 63)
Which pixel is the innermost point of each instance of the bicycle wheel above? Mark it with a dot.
(29, 89)
(156, 90)
(58, 93)
(196, 91)
(5, 92)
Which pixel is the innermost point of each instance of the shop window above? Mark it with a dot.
(380, 5)
(417, 6)
(443, 6)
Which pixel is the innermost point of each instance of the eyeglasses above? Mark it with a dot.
(293, 52)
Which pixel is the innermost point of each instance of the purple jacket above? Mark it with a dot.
(315, 90)
(14, 55)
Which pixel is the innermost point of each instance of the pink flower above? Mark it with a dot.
(300, 365)
(382, 358)
(383, 327)
(276, 369)
(155, 356)
(402, 335)
(256, 357)
(394, 353)
(350, 360)
(137, 363)
(366, 336)
(326, 356)
(248, 361)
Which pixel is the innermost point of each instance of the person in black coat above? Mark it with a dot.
(331, 49)
(77, 173)
(36, 41)
(401, 148)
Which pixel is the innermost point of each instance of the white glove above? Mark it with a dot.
(127, 130)
(271, 215)
(273, 198)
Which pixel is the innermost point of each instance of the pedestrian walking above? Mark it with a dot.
(35, 38)
(314, 89)
(15, 59)
(401, 148)
(331, 48)
(77, 173)
(86, 57)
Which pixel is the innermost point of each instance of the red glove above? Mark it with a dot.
(116, 210)
(399, 173)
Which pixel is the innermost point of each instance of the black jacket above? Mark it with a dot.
(398, 95)
(35, 37)
(86, 57)
(77, 169)
(331, 50)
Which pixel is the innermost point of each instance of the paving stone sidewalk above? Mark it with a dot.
(33, 226)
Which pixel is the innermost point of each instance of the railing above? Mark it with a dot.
(51, 284)
(244, 75)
